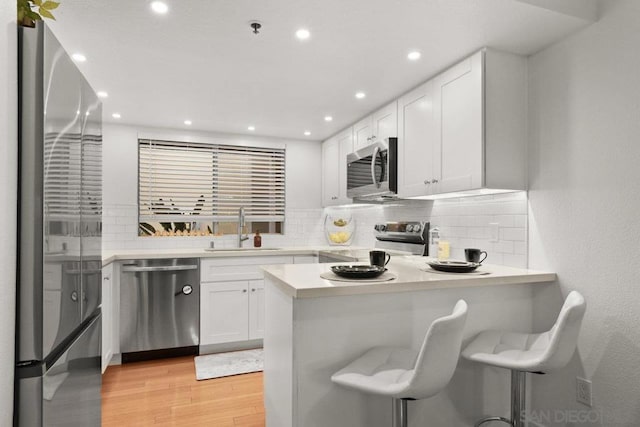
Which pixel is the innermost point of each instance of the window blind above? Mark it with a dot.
(210, 182)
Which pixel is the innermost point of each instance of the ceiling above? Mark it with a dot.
(201, 61)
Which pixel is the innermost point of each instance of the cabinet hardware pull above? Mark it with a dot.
(435, 181)
(253, 290)
(427, 182)
(244, 290)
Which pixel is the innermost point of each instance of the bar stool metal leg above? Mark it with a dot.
(399, 413)
(518, 399)
(518, 396)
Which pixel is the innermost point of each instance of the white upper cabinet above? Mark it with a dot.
(330, 172)
(362, 133)
(465, 129)
(417, 136)
(377, 127)
(384, 123)
(459, 138)
(334, 168)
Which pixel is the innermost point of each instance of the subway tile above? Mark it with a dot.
(520, 248)
(505, 220)
(505, 247)
(478, 232)
(517, 234)
(512, 260)
(520, 221)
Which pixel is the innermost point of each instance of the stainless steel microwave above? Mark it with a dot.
(372, 171)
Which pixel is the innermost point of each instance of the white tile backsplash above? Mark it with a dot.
(463, 222)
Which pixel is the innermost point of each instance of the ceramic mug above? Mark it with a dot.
(473, 255)
(379, 258)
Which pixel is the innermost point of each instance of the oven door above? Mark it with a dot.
(368, 171)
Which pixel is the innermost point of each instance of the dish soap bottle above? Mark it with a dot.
(257, 240)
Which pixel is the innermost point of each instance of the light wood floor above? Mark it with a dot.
(166, 393)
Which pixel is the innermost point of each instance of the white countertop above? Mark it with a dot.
(304, 281)
(347, 253)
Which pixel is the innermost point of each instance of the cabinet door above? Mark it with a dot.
(107, 317)
(345, 144)
(224, 313)
(256, 309)
(362, 133)
(458, 112)
(330, 172)
(416, 138)
(385, 123)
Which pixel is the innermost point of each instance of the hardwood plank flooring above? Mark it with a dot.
(165, 393)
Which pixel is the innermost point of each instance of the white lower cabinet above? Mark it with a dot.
(256, 309)
(232, 298)
(107, 315)
(224, 312)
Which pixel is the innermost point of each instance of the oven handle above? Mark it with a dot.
(159, 268)
(373, 166)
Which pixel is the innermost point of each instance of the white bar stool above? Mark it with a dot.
(522, 353)
(405, 374)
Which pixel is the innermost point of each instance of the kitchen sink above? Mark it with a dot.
(240, 249)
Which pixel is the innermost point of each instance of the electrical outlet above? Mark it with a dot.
(583, 391)
(495, 231)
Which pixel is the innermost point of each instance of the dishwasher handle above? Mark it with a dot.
(128, 269)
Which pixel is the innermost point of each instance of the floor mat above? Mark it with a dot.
(225, 364)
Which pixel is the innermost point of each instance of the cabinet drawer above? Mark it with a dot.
(240, 268)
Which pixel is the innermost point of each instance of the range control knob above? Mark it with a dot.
(417, 228)
(409, 228)
(380, 227)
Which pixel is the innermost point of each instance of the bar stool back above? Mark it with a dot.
(522, 353)
(405, 374)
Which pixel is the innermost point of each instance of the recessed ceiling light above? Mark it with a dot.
(303, 34)
(361, 95)
(159, 7)
(116, 115)
(251, 128)
(307, 133)
(78, 57)
(414, 55)
(328, 118)
(188, 122)
(102, 94)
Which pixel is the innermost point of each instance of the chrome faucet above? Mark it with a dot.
(241, 238)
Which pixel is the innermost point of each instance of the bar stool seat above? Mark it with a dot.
(405, 374)
(535, 353)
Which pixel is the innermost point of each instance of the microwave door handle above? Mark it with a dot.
(373, 166)
(383, 166)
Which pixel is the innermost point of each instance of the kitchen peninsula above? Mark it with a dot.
(316, 326)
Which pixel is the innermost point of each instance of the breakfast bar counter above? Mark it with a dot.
(314, 327)
(410, 273)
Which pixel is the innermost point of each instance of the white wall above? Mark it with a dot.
(8, 201)
(584, 202)
(120, 187)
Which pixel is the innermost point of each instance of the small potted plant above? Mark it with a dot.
(30, 11)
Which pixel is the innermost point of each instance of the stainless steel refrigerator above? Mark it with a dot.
(58, 329)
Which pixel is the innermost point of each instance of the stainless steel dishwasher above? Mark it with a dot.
(159, 308)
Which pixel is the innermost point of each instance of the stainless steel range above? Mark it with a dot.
(407, 236)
